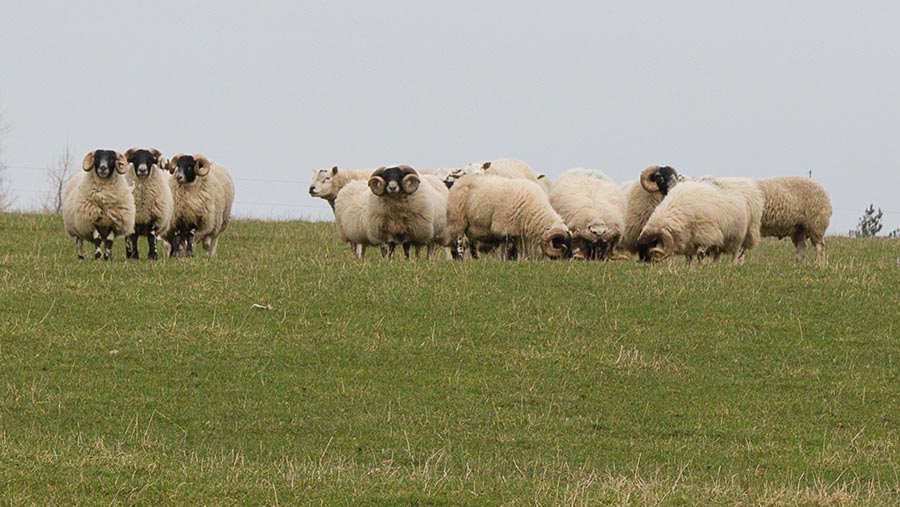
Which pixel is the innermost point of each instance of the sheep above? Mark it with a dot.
(403, 211)
(514, 212)
(203, 193)
(705, 218)
(592, 206)
(152, 198)
(641, 198)
(328, 182)
(352, 218)
(511, 168)
(797, 207)
(98, 205)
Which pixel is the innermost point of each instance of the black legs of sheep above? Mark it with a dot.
(102, 246)
(131, 243)
(185, 240)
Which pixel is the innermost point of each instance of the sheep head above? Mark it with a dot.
(186, 168)
(394, 181)
(141, 161)
(659, 179)
(656, 244)
(594, 242)
(322, 183)
(103, 162)
(557, 241)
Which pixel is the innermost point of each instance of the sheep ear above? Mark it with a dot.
(486, 165)
(130, 153)
(377, 185)
(172, 164)
(201, 165)
(88, 163)
(121, 163)
(410, 183)
(334, 170)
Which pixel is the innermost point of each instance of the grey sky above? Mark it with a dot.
(274, 89)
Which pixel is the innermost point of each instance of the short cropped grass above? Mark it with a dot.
(284, 373)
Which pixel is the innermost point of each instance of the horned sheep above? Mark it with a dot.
(203, 193)
(516, 212)
(152, 198)
(592, 206)
(641, 198)
(705, 218)
(98, 205)
(403, 211)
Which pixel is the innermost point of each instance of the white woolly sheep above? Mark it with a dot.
(98, 205)
(592, 206)
(203, 193)
(799, 208)
(351, 216)
(513, 212)
(511, 168)
(152, 198)
(705, 217)
(328, 182)
(403, 211)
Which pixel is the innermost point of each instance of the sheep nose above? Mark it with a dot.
(312, 190)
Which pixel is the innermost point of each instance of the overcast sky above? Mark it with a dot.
(273, 90)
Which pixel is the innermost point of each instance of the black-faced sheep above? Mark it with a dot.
(152, 198)
(592, 206)
(407, 209)
(641, 198)
(203, 193)
(512, 212)
(705, 217)
(98, 205)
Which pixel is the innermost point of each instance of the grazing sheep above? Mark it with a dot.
(708, 217)
(403, 211)
(152, 198)
(511, 168)
(352, 217)
(592, 206)
(512, 212)
(203, 193)
(98, 204)
(328, 182)
(641, 198)
(799, 208)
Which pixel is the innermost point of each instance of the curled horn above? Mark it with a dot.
(558, 242)
(88, 163)
(659, 253)
(410, 181)
(173, 163)
(377, 183)
(201, 165)
(121, 163)
(647, 179)
(130, 153)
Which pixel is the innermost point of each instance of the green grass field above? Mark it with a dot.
(448, 383)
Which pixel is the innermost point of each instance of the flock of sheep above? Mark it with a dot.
(504, 207)
(183, 200)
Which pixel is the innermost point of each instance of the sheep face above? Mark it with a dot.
(187, 168)
(394, 181)
(659, 179)
(557, 242)
(142, 161)
(103, 162)
(322, 184)
(459, 173)
(656, 245)
(595, 242)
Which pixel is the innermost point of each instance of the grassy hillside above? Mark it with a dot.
(283, 373)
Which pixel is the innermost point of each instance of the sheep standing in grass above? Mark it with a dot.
(98, 205)
(799, 208)
(405, 210)
(152, 198)
(351, 215)
(705, 218)
(512, 212)
(203, 193)
(592, 206)
(641, 198)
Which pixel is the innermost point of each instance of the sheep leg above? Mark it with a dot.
(799, 239)
(189, 250)
(98, 241)
(406, 250)
(79, 248)
(211, 245)
(820, 249)
(354, 251)
(362, 251)
(175, 246)
(108, 245)
(131, 246)
(153, 252)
